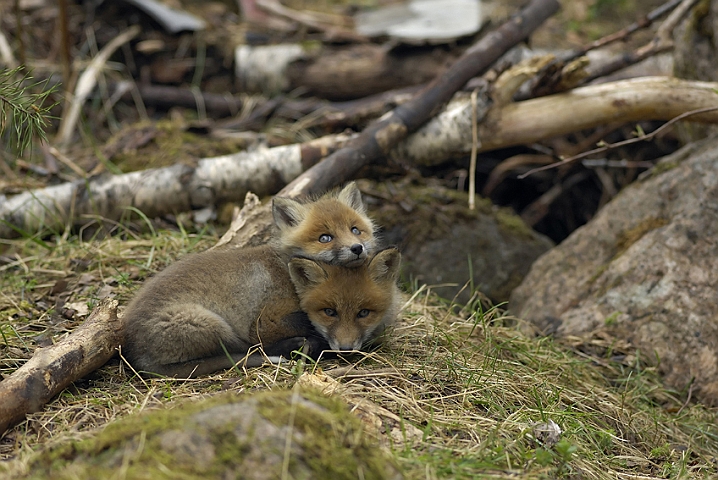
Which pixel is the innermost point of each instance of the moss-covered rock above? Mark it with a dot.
(444, 242)
(301, 434)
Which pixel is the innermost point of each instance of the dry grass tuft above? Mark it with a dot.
(453, 393)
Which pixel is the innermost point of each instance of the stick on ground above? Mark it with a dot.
(52, 369)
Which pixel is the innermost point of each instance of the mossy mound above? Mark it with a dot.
(283, 434)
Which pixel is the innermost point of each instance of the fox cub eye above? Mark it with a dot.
(325, 238)
(330, 312)
(355, 231)
(363, 313)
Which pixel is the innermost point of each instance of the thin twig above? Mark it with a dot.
(688, 400)
(661, 41)
(67, 162)
(538, 209)
(611, 146)
(87, 83)
(624, 33)
(474, 149)
(665, 31)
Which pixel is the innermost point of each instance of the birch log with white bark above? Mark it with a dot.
(163, 190)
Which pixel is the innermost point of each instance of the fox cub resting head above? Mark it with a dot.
(333, 229)
(348, 306)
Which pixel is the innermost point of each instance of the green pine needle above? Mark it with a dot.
(23, 113)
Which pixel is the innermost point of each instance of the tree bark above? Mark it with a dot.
(52, 369)
(368, 69)
(336, 73)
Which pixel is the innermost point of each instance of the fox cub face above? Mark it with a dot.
(348, 306)
(333, 229)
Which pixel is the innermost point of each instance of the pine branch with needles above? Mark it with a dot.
(24, 113)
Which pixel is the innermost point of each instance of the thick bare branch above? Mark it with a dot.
(52, 369)
(647, 98)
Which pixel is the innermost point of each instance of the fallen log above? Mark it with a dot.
(336, 73)
(649, 98)
(162, 190)
(53, 368)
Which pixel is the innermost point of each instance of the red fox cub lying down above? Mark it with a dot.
(204, 313)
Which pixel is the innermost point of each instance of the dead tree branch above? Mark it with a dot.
(648, 98)
(448, 135)
(52, 369)
(661, 42)
(626, 32)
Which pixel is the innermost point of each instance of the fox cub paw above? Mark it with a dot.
(309, 346)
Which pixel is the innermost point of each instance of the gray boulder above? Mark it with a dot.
(645, 269)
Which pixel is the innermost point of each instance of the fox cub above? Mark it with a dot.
(349, 307)
(333, 229)
(205, 312)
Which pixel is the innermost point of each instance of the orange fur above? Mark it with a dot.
(333, 229)
(205, 312)
(349, 306)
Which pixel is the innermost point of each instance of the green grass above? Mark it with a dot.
(457, 392)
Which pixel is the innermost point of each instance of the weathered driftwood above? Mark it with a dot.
(53, 368)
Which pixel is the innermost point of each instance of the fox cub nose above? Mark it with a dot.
(357, 248)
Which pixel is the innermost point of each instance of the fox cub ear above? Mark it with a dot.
(351, 196)
(385, 265)
(287, 212)
(305, 274)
